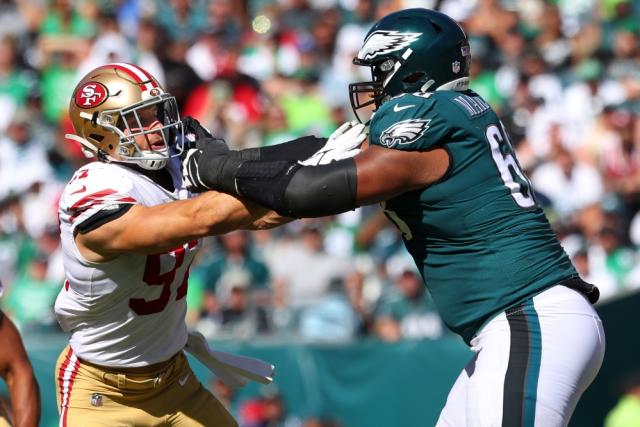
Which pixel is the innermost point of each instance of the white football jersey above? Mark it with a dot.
(129, 311)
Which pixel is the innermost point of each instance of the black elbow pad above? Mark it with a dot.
(322, 190)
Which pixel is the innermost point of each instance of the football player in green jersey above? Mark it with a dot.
(443, 167)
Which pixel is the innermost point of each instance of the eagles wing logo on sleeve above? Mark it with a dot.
(382, 42)
(404, 132)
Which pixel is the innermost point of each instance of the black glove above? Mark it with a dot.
(212, 167)
(198, 136)
(207, 161)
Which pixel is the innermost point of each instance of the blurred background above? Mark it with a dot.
(336, 303)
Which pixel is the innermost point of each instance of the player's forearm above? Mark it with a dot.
(208, 214)
(25, 396)
(270, 220)
(156, 229)
(219, 213)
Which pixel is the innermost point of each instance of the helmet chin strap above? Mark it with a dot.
(88, 149)
(153, 164)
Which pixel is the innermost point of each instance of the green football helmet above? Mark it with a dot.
(413, 50)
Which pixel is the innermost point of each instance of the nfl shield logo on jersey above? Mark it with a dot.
(455, 67)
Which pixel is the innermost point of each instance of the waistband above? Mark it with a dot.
(587, 289)
(143, 378)
(148, 370)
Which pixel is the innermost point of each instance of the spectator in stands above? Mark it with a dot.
(234, 279)
(268, 410)
(16, 82)
(236, 254)
(109, 45)
(616, 256)
(569, 184)
(234, 309)
(182, 19)
(354, 284)
(239, 314)
(180, 79)
(406, 312)
(23, 161)
(227, 395)
(30, 299)
(148, 43)
(331, 318)
(606, 282)
(303, 268)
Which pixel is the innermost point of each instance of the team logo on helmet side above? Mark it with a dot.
(383, 42)
(404, 132)
(91, 94)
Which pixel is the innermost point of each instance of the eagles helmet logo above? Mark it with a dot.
(404, 132)
(383, 42)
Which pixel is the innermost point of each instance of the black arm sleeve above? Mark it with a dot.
(299, 191)
(297, 149)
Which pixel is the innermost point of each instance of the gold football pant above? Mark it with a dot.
(166, 394)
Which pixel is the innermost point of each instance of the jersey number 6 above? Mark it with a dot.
(510, 171)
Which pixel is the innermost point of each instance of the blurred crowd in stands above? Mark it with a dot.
(564, 75)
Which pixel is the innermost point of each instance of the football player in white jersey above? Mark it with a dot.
(129, 234)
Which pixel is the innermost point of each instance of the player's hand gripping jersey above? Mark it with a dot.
(113, 308)
(478, 235)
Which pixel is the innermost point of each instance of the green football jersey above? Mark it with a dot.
(477, 235)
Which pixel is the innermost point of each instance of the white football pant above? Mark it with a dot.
(531, 364)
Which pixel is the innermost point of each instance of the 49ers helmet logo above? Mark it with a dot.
(91, 94)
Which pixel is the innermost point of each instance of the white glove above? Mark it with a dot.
(343, 143)
(233, 369)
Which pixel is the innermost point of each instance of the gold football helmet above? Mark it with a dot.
(116, 105)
